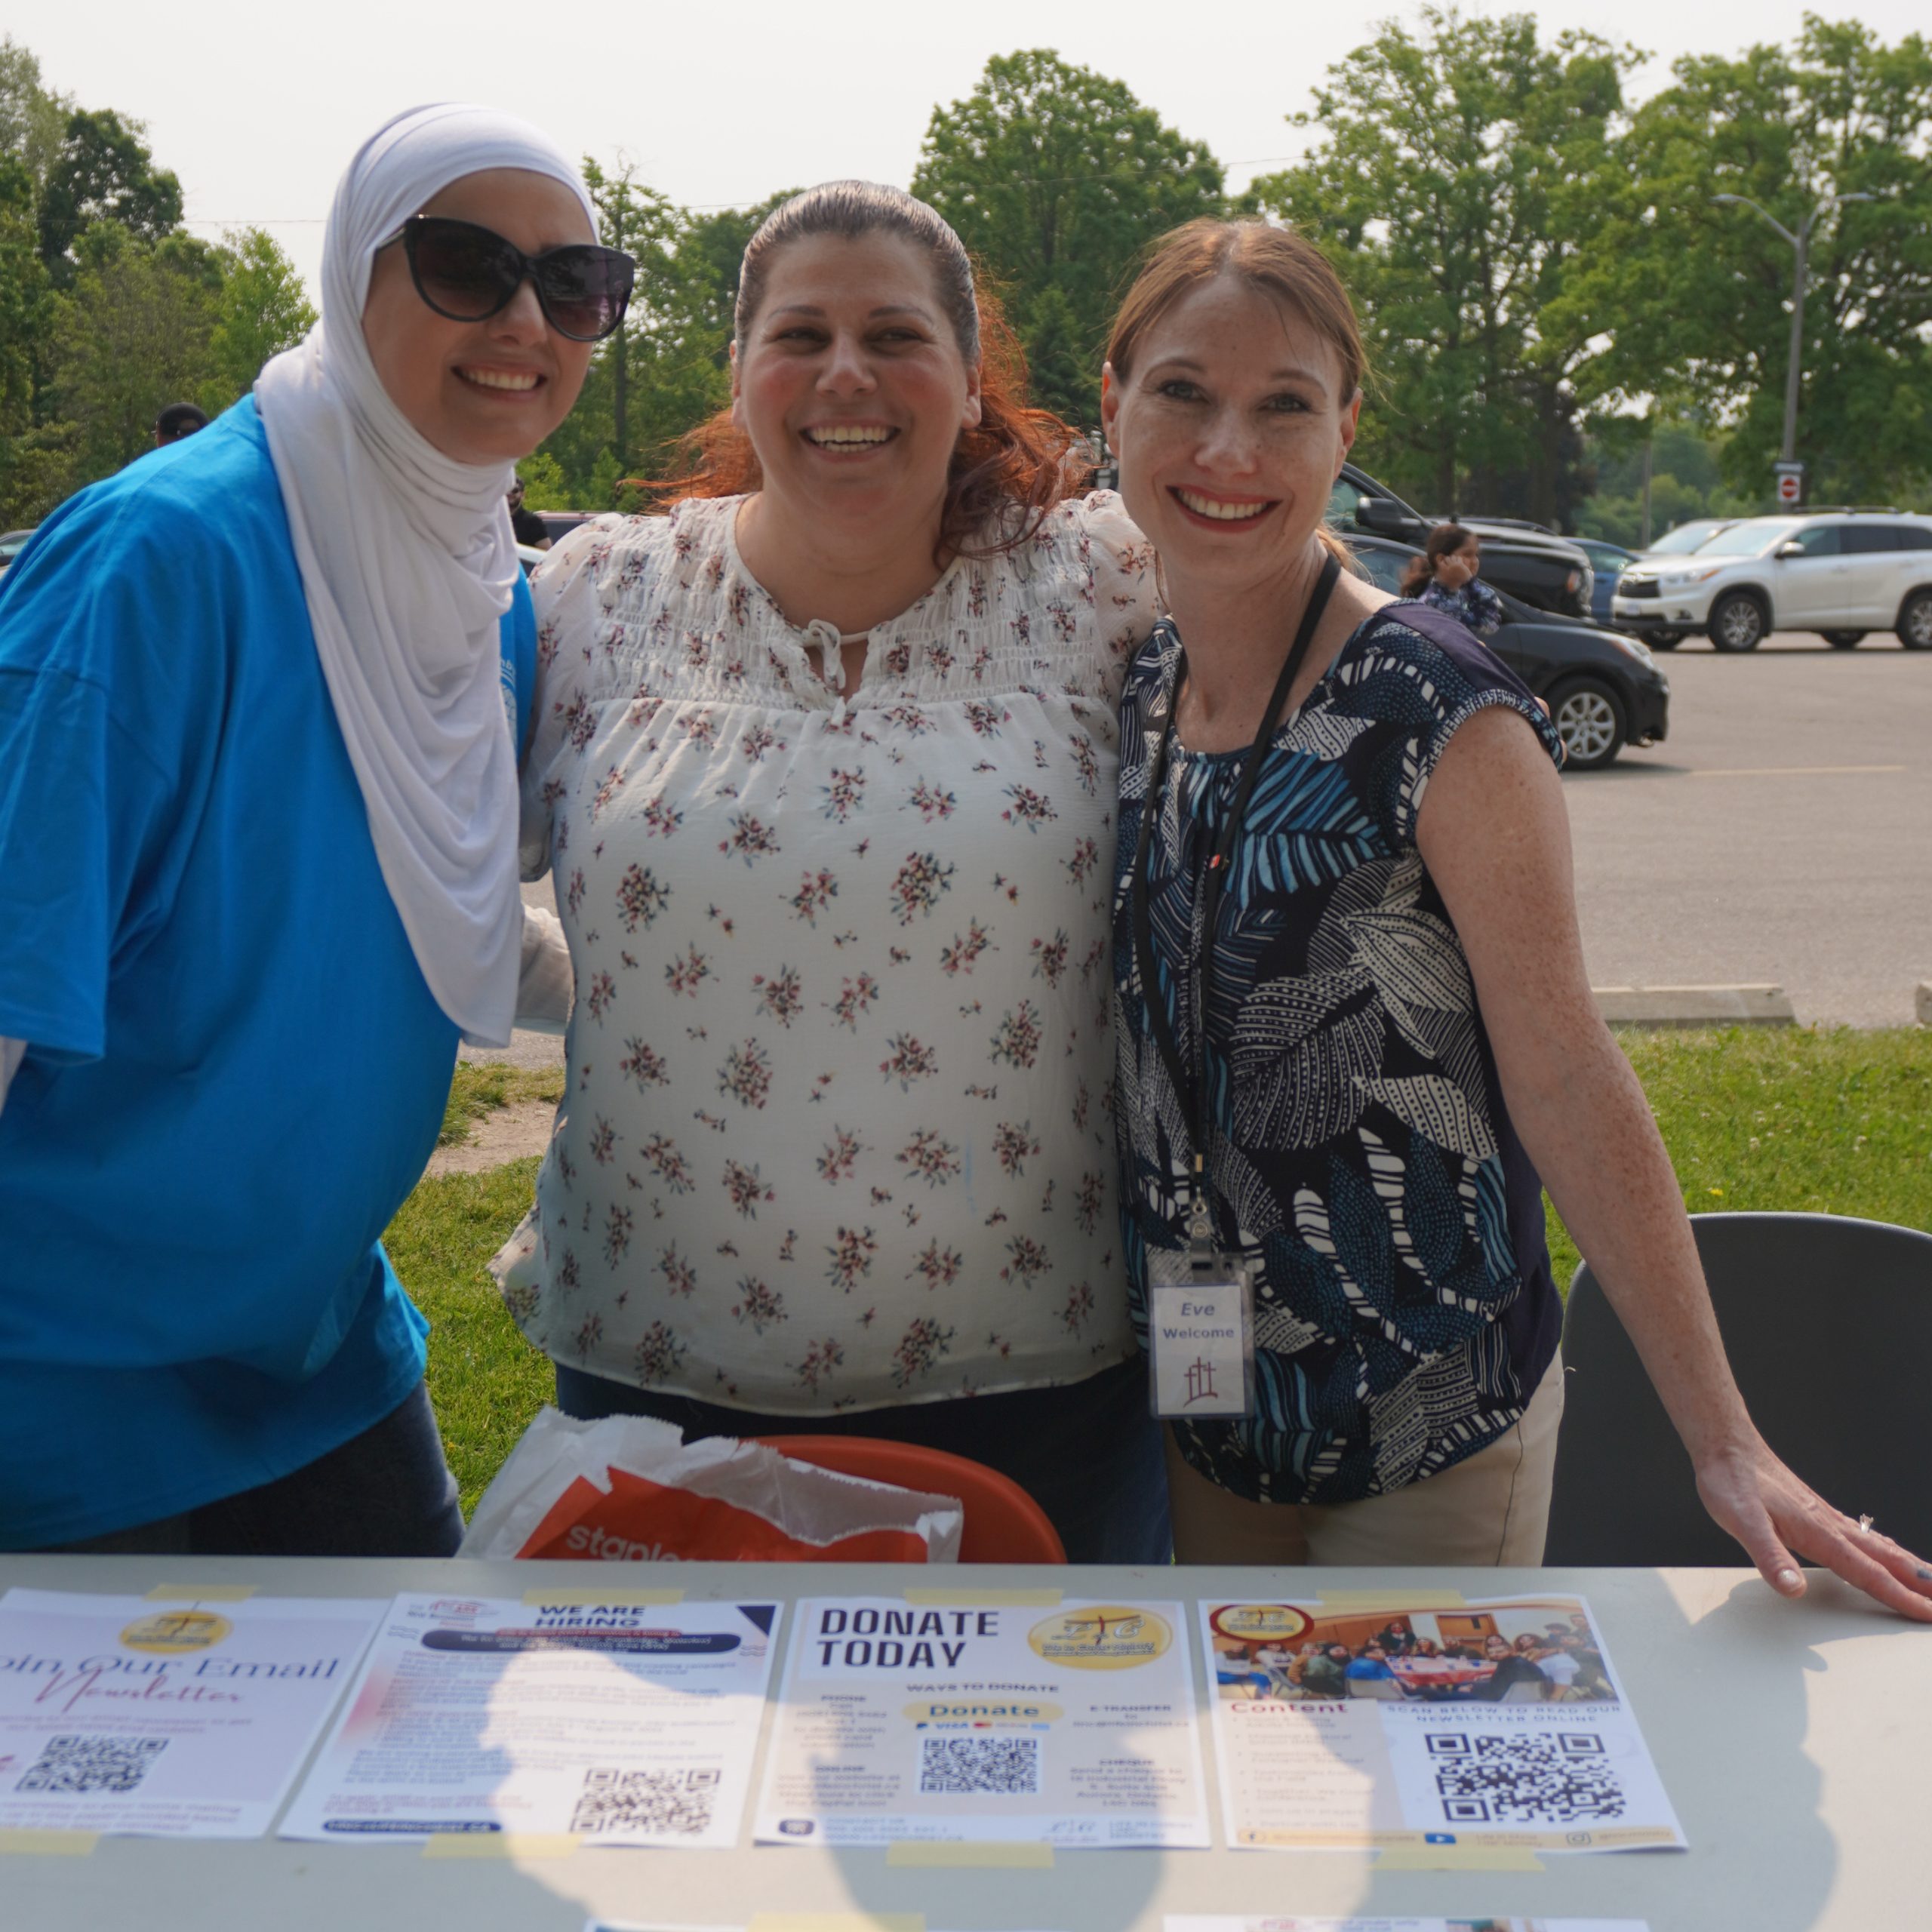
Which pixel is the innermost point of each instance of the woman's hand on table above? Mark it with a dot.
(1778, 1518)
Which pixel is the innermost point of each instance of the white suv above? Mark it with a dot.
(1840, 573)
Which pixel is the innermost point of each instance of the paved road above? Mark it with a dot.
(1782, 832)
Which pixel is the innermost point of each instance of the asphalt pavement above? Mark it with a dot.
(1782, 832)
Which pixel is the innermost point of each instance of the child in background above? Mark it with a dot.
(1444, 575)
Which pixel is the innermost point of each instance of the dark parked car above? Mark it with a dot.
(1603, 689)
(11, 544)
(1532, 564)
(561, 523)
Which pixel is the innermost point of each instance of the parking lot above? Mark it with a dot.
(1783, 833)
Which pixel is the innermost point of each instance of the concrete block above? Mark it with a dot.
(1695, 1006)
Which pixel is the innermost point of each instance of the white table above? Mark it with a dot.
(1794, 1741)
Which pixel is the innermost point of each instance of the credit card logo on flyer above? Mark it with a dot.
(1101, 1637)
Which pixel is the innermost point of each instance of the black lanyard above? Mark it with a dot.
(1214, 883)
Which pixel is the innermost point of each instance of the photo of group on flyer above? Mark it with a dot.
(1517, 1654)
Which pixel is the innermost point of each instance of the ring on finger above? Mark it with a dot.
(1865, 1522)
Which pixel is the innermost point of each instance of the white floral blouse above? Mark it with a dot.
(836, 1134)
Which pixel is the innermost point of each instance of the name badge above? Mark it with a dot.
(1200, 1339)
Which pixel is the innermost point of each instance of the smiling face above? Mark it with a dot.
(1230, 429)
(850, 381)
(487, 391)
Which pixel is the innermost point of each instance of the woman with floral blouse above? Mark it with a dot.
(825, 768)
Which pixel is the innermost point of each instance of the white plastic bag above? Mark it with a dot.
(630, 1489)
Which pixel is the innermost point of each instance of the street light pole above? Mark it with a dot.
(1800, 243)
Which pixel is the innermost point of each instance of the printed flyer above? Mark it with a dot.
(631, 1724)
(167, 1720)
(1072, 1725)
(1172, 1923)
(1494, 1723)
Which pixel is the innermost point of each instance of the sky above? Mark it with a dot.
(256, 109)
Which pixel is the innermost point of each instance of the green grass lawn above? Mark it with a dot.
(1837, 1122)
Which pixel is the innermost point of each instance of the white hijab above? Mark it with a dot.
(407, 563)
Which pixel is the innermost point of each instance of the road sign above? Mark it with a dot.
(1791, 483)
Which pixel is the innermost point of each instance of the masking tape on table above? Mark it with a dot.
(1346, 1602)
(925, 1594)
(500, 1844)
(838, 1921)
(1457, 1858)
(923, 1853)
(201, 1593)
(49, 1845)
(661, 1598)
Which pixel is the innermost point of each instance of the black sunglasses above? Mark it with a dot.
(469, 274)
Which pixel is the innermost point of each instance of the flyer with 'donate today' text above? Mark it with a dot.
(1069, 1725)
(1497, 1723)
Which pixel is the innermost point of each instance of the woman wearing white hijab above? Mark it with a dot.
(257, 875)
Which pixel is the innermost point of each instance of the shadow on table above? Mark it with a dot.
(1733, 1786)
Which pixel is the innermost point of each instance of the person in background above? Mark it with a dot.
(1512, 1666)
(825, 772)
(527, 527)
(258, 875)
(177, 420)
(1399, 1046)
(1444, 578)
(1370, 1663)
(1325, 1674)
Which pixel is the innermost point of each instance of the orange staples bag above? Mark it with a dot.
(630, 1489)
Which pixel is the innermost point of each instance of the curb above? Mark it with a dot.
(1705, 1006)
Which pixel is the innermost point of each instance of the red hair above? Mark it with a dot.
(1007, 472)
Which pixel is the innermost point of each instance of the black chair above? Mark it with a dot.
(1828, 1323)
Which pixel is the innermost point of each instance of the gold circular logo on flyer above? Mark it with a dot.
(1261, 1622)
(174, 1632)
(1101, 1637)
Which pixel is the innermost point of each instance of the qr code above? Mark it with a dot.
(679, 1802)
(1556, 1778)
(73, 1766)
(1005, 1766)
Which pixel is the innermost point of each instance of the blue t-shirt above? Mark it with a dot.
(235, 1069)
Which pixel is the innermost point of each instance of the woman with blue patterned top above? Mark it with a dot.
(1444, 578)
(1396, 1044)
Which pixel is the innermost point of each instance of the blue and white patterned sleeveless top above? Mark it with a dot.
(1364, 1165)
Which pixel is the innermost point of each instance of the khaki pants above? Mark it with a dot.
(1492, 1508)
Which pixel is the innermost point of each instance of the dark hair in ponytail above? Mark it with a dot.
(1007, 472)
(1445, 540)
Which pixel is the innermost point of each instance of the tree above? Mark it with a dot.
(1056, 177)
(262, 310)
(1456, 187)
(1697, 295)
(31, 120)
(26, 316)
(1062, 379)
(134, 336)
(103, 172)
